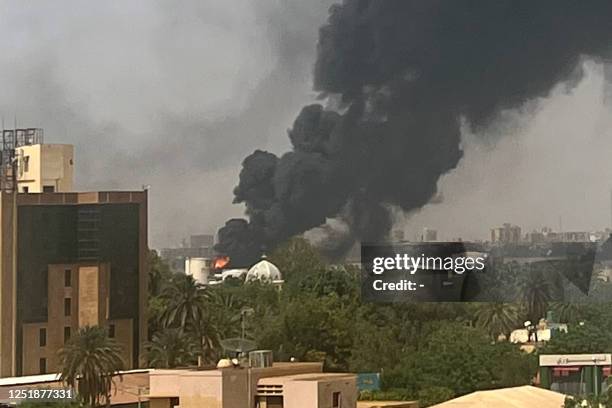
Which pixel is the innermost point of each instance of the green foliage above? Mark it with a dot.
(581, 338)
(603, 400)
(170, 348)
(426, 352)
(391, 394)
(434, 395)
(88, 362)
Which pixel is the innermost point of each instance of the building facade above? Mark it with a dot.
(45, 168)
(69, 260)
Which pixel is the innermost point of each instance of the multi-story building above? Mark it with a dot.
(200, 246)
(506, 234)
(69, 260)
(45, 168)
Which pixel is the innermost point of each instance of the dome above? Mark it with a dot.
(264, 271)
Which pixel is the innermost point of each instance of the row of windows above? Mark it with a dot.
(42, 334)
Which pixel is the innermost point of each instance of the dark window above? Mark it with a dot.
(26, 164)
(67, 307)
(67, 278)
(42, 337)
(26, 189)
(48, 189)
(336, 399)
(42, 365)
(66, 333)
(111, 331)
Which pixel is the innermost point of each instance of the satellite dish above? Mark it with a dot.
(238, 345)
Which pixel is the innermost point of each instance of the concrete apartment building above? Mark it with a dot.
(67, 259)
(45, 168)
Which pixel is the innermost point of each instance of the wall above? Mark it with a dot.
(48, 165)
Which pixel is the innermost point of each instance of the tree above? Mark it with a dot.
(580, 339)
(497, 318)
(536, 289)
(88, 362)
(188, 303)
(159, 273)
(170, 348)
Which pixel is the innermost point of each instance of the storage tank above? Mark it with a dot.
(199, 268)
(261, 358)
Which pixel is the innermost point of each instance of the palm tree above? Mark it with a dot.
(186, 302)
(536, 288)
(170, 348)
(88, 362)
(188, 308)
(497, 318)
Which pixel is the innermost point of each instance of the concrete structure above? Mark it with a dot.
(264, 271)
(429, 235)
(506, 234)
(199, 268)
(200, 246)
(129, 387)
(575, 373)
(45, 168)
(284, 385)
(69, 260)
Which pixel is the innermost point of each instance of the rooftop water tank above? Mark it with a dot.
(261, 358)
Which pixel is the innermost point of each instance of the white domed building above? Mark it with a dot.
(264, 271)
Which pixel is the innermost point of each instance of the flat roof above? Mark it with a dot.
(45, 378)
(306, 377)
(77, 198)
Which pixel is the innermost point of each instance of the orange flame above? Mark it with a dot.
(221, 262)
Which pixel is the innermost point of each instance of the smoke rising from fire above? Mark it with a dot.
(400, 77)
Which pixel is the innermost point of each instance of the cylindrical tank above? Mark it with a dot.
(261, 358)
(199, 268)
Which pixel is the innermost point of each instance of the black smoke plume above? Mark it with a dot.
(403, 75)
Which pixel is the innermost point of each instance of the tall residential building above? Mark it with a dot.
(69, 260)
(506, 234)
(429, 235)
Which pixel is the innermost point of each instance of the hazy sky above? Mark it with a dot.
(171, 94)
(175, 94)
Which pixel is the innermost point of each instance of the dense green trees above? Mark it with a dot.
(425, 351)
(88, 362)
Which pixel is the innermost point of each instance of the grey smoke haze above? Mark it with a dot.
(175, 94)
(170, 94)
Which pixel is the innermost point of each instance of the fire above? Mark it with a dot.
(221, 262)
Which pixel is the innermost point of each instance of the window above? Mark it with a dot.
(26, 164)
(67, 278)
(336, 399)
(42, 337)
(48, 189)
(26, 189)
(269, 402)
(67, 307)
(42, 365)
(66, 333)
(111, 331)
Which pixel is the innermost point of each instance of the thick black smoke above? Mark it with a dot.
(405, 73)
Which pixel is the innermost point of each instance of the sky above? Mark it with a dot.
(174, 95)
